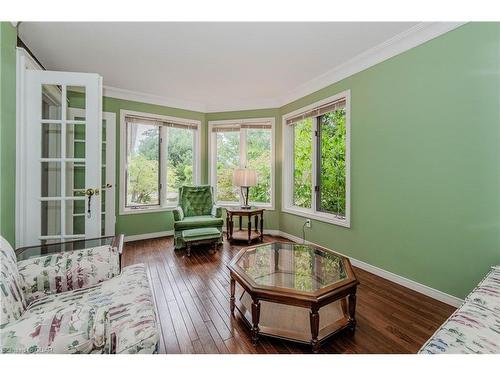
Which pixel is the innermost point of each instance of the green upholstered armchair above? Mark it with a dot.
(196, 210)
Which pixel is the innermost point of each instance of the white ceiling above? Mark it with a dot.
(211, 66)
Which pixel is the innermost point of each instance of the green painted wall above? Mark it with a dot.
(425, 158)
(425, 152)
(8, 40)
(271, 217)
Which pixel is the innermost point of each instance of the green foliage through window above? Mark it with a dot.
(331, 178)
(302, 175)
(143, 169)
(332, 173)
(258, 150)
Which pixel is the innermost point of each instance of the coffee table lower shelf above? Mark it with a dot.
(293, 323)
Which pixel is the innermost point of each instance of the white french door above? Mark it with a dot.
(63, 177)
(108, 183)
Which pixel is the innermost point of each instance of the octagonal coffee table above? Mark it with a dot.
(296, 292)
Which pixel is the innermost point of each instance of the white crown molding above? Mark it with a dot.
(136, 96)
(396, 45)
(411, 38)
(245, 105)
(410, 284)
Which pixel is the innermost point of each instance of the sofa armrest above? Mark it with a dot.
(216, 211)
(65, 271)
(178, 214)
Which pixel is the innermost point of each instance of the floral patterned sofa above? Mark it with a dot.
(75, 302)
(475, 326)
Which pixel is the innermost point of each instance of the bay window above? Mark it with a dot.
(316, 160)
(159, 154)
(242, 144)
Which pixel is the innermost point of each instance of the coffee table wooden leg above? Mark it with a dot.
(241, 221)
(232, 299)
(352, 311)
(228, 226)
(314, 320)
(255, 321)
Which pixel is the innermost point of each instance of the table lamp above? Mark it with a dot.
(244, 178)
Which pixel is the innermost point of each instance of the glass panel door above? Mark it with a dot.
(107, 192)
(63, 179)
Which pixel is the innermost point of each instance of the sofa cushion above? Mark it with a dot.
(196, 200)
(12, 300)
(129, 303)
(191, 222)
(69, 270)
(472, 329)
(64, 330)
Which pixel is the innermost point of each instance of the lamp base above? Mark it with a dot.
(244, 195)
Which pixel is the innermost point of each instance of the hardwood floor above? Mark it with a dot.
(192, 298)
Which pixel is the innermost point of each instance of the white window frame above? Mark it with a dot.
(163, 166)
(287, 175)
(212, 170)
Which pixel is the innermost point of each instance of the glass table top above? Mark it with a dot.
(40, 250)
(294, 266)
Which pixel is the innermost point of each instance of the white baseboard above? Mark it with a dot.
(410, 284)
(146, 236)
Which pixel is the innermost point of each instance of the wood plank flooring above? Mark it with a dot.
(192, 298)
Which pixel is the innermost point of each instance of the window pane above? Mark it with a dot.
(259, 158)
(302, 160)
(228, 159)
(180, 161)
(332, 163)
(143, 150)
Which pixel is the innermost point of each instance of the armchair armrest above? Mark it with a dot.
(216, 211)
(178, 214)
(65, 271)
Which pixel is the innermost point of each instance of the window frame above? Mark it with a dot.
(162, 206)
(288, 165)
(212, 157)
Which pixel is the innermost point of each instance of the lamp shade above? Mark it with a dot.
(244, 177)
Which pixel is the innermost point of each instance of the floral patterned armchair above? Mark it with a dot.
(75, 302)
(196, 210)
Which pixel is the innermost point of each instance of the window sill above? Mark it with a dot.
(128, 211)
(326, 218)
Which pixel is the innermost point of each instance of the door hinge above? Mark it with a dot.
(315, 133)
(316, 188)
